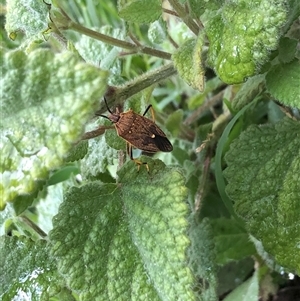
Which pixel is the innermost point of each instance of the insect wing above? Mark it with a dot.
(143, 133)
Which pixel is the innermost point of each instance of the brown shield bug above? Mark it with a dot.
(139, 131)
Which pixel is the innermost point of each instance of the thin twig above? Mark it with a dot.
(117, 42)
(33, 226)
(211, 102)
(170, 12)
(185, 17)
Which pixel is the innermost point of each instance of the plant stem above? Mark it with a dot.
(186, 18)
(119, 43)
(146, 80)
(117, 95)
(34, 226)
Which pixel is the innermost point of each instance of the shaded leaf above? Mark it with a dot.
(263, 180)
(232, 243)
(249, 290)
(283, 83)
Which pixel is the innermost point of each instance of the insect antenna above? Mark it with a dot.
(108, 109)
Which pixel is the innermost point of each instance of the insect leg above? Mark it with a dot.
(136, 161)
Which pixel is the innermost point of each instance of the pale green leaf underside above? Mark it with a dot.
(27, 271)
(27, 16)
(128, 239)
(141, 11)
(264, 182)
(103, 55)
(187, 60)
(46, 101)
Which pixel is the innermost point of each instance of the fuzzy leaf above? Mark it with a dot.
(242, 35)
(202, 257)
(32, 18)
(264, 182)
(27, 271)
(283, 83)
(100, 155)
(187, 60)
(140, 11)
(103, 55)
(129, 239)
(44, 113)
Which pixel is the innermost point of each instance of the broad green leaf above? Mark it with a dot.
(128, 240)
(263, 181)
(188, 62)
(283, 83)
(242, 35)
(247, 291)
(140, 11)
(27, 270)
(231, 241)
(27, 16)
(46, 101)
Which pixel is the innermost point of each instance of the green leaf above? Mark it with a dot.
(132, 240)
(46, 101)
(188, 62)
(242, 35)
(283, 83)
(248, 91)
(100, 155)
(63, 174)
(27, 270)
(263, 181)
(78, 151)
(231, 241)
(233, 274)
(198, 7)
(31, 20)
(140, 11)
(157, 32)
(287, 49)
(249, 290)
